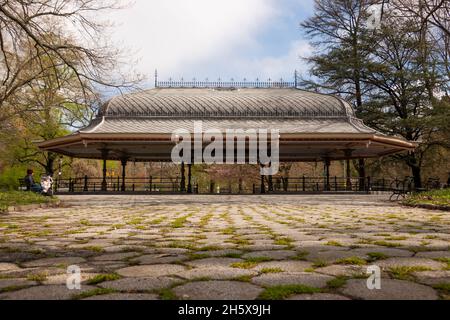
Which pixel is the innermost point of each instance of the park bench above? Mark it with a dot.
(23, 185)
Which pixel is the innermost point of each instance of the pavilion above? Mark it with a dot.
(313, 127)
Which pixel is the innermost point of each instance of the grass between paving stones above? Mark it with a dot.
(12, 288)
(103, 278)
(355, 261)
(250, 263)
(205, 220)
(405, 272)
(179, 222)
(333, 244)
(16, 198)
(319, 264)
(93, 293)
(38, 277)
(443, 287)
(94, 249)
(375, 256)
(301, 256)
(167, 294)
(285, 291)
(444, 260)
(337, 282)
(271, 270)
(198, 256)
(286, 241)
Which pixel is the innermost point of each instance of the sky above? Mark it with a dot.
(230, 39)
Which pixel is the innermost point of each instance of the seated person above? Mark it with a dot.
(30, 184)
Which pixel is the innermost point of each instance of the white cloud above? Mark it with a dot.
(205, 38)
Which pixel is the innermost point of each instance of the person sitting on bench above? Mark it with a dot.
(30, 184)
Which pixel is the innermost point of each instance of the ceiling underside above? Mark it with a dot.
(156, 151)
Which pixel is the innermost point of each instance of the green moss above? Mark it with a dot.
(319, 264)
(271, 270)
(405, 272)
(167, 294)
(198, 256)
(375, 256)
(387, 244)
(443, 287)
(38, 277)
(352, 261)
(333, 243)
(244, 265)
(337, 282)
(301, 256)
(103, 278)
(284, 241)
(283, 292)
(94, 249)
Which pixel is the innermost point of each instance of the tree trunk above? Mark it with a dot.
(50, 164)
(416, 172)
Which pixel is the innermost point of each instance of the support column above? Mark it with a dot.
(348, 173)
(362, 175)
(104, 183)
(270, 183)
(189, 188)
(263, 187)
(124, 167)
(327, 174)
(183, 179)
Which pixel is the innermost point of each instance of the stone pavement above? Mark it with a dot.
(225, 247)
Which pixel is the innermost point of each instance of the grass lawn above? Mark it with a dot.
(436, 197)
(13, 198)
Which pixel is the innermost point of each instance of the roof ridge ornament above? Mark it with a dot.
(220, 83)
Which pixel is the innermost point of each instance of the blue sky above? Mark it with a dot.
(215, 38)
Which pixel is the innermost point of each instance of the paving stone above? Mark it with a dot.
(140, 284)
(432, 277)
(303, 278)
(116, 256)
(124, 297)
(342, 270)
(220, 253)
(276, 254)
(218, 290)
(410, 262)
(61, 279)
(216, 273)
(390, 290)
(286, 266)
(157, 270)
(389, 252)
(433, 254)
(51, 292)
(51, 262)
(213, 262)
(331, 256)
(161, 258)
(8, 267)
(318, 296)
(15, 283)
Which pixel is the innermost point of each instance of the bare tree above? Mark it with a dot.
(434, 12)
(39, 38)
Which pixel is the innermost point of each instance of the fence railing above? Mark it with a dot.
(251, 185)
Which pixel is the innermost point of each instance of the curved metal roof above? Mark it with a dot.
(205, 103)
